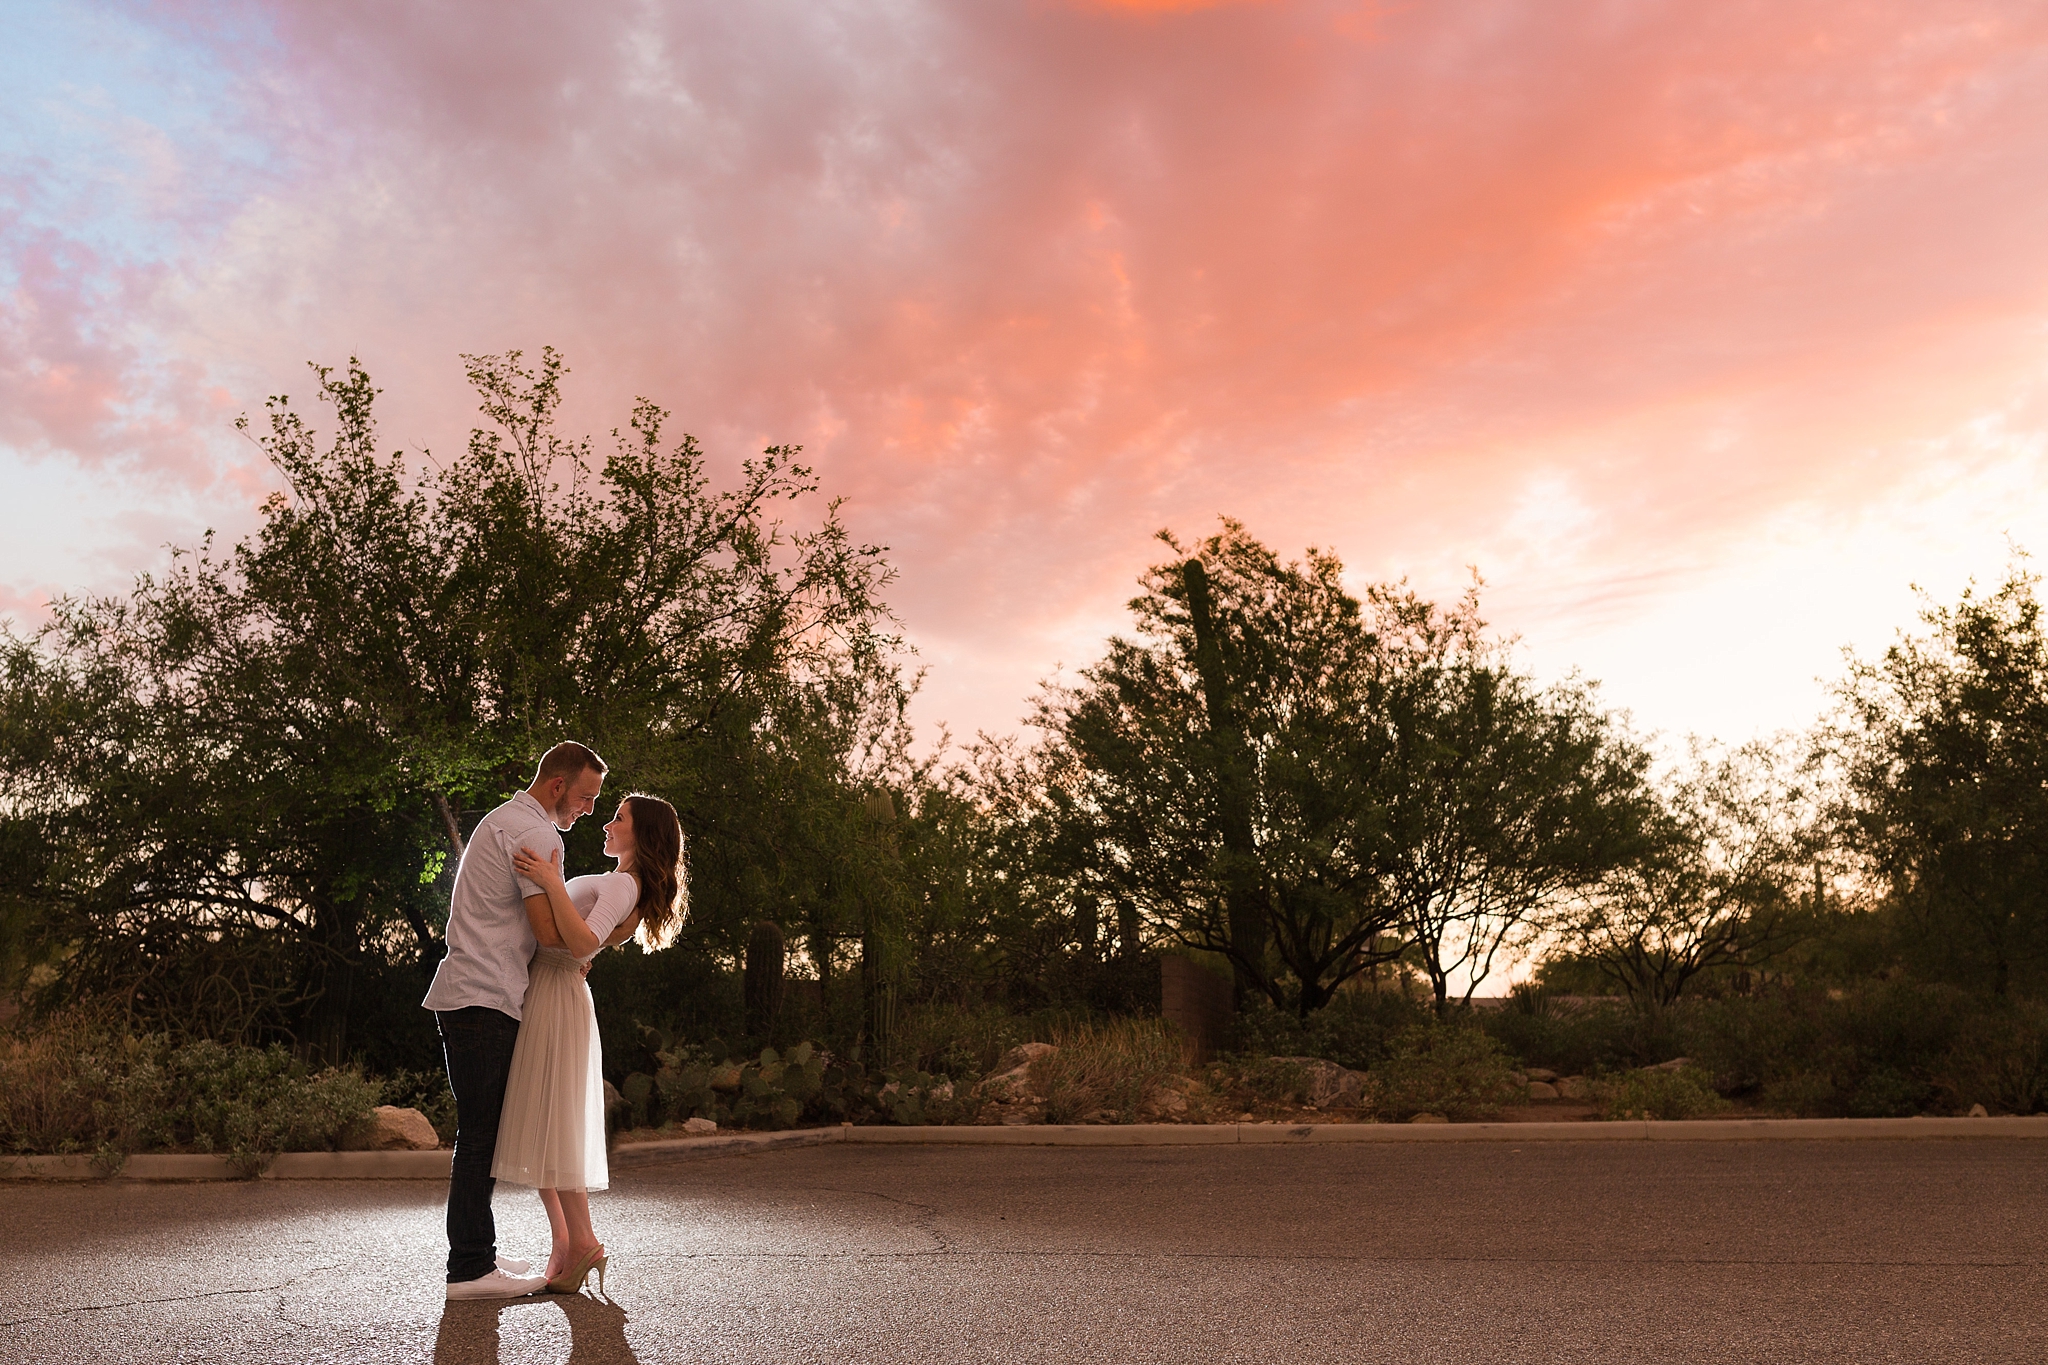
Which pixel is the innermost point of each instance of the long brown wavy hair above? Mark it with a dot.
(658, 864)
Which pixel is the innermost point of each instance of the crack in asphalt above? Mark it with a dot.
(927, 1220)
(277, 1288)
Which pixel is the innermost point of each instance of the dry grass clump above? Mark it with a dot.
(1106, 1072)
(76, 1085)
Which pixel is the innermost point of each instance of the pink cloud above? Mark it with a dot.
(1033, 279)
(26, 608)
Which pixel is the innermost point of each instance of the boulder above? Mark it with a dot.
(1166, 1102)
(1329, 1086)
(392, 1129)
(613, 1100)
(1572, 1088)
(1540, 1073)
(699, 1127)
(1675, 1064)
(1429, 1118)
(1023, 1055)
(1008, 1095)
(1010, 1082)
(1542, 1090)
(1977, 1111)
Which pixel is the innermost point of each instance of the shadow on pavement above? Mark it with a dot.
(597, 1330)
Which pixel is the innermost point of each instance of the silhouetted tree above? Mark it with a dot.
(243, 781)
(1942, 746)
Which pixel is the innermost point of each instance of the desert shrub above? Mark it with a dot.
(1999, 1060)
(1107, 1070)
(919, 1097)
(1275, 1080)
(1357, 1029)
(248, 1103)
(76, 1085)
(1875, 1050)
(1451, 1069)
(772, 1089)
(1575, 1037)
(79, 1084)
(649, 1001)
(1681, 1093)
(964, 1043)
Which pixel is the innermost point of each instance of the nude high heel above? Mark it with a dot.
(571, 1280)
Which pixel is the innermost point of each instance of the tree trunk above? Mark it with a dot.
(330, 978)
(761, 978)
(1244, 902)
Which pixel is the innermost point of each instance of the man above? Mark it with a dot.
(478, 993)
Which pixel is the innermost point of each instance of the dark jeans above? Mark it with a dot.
(477, 1044)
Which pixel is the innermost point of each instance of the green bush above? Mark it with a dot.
(250, 1103)
(2000, 1060)
(1577, 1038)
(1452, 1069)
(1888, 1048)
(1358, 1029)
(963, 1043)
(770, 1090)
(914, 1098)
(649, 1001)
(77, 1085)
(1681, 1093)
(1868, 1050)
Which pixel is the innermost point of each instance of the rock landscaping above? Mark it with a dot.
(392, 1129)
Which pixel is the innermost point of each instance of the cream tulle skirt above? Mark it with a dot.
(551, 1133)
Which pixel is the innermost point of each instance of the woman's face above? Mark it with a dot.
(618, 835)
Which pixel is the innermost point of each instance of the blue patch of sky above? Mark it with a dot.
(127, 139)
(127, 133)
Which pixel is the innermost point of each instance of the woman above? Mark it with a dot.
(552, 1133)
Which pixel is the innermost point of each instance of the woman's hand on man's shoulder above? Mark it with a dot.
(535, 868)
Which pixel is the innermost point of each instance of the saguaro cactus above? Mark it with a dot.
(761, 980)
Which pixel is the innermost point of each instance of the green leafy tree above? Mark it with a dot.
(1310, 784)
(1715, 886)
(1221, 770)
(1501, 800)
(239, 787)
(1942, 749)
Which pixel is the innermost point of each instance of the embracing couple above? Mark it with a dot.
(517, 1026)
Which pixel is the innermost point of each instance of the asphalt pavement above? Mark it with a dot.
(1928, 1250)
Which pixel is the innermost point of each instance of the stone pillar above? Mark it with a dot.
(1195, 1000)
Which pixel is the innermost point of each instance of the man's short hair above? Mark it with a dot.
(568, 760)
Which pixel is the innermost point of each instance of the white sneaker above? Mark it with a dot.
(512, 1266)
(498, 1285)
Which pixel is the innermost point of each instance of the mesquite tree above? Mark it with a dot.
(1273, 772)
(1942, 747)
(236, 789)
(1714, 885)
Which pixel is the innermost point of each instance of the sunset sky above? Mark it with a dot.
(1704, 331)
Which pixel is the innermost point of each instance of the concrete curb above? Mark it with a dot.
(720, 1144)
(288, 1166)
(1704, 1130)
(434, 1165)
